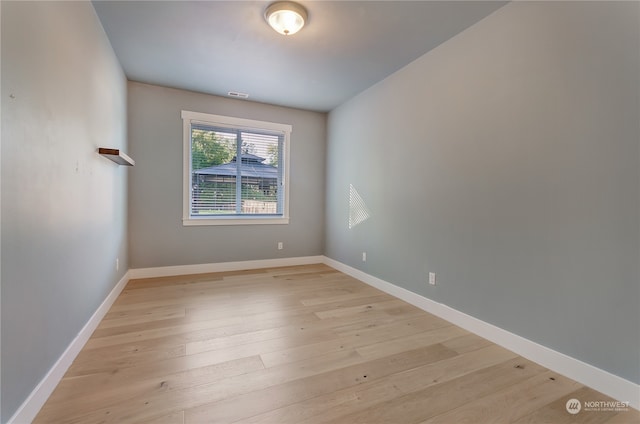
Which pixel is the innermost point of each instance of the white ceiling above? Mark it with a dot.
(220, 46)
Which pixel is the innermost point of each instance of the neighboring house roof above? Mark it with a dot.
(252, 166)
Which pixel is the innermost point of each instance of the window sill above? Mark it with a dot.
(233, 220)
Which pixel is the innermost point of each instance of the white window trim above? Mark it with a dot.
(188, 118)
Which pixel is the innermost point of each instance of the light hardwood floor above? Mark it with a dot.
(303, 344)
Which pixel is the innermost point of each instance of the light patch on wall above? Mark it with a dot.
(358, 210)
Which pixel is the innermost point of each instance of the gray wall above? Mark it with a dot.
(506, 160)
(157, 236)
(63, 205)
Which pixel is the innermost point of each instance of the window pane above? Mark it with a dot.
(213, 177)
(260, 173)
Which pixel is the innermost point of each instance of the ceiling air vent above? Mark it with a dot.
(238, 94)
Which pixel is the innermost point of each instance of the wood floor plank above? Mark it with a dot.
(174, 314)
(133, 313)
(215, 342)
(290, 333)
(382, 385)
(152, 405)
(365, 336)
(414, 319)
(359, 309)
(320, 300)
(107, 361)
(256, 402)
(173, 280)
(173, 418)
(259, 289)
(411, 406)
(112, 359)
(291, 306)
(173, 335)
(556, 411)
(632, 416)
(195, 319)
(146, 387)
(188, 331)
(511, 403)
(399, 344)
(303, 344)
(466, 343)
(229, 365)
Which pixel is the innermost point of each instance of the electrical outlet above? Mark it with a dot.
(117, 264)
(364, 256)
(432, 278)
(280, 245)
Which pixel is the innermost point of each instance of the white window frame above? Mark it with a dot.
(189, 118)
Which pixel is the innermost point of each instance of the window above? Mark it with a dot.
(235, 171)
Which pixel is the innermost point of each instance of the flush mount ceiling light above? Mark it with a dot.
(286, 17)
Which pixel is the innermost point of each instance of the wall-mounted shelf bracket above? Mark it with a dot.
(117, 156)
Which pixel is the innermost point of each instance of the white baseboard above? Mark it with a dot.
(32, 405)
(167, 271)
(596, 378)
